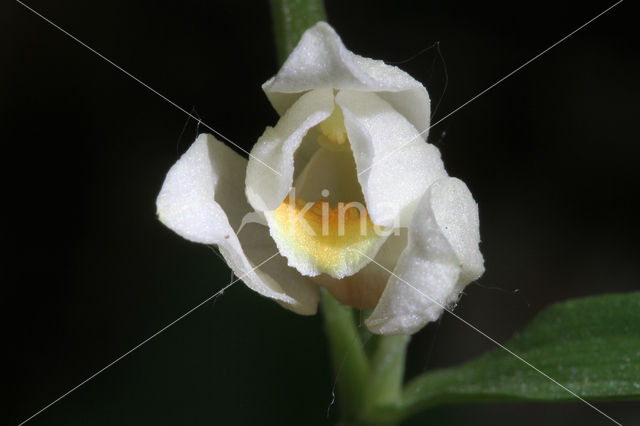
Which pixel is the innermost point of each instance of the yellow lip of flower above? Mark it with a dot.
(332, 239)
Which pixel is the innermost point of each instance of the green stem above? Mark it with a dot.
(387, 370)
(369, 387)
(347, 353)
(290, 19)
(386, 376)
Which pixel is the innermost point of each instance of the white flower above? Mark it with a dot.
(348, 133)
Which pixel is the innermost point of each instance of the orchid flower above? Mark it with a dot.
(344, 187)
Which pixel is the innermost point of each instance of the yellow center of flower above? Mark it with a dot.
(333, 239)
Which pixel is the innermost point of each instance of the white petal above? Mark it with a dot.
(395, 165)
(320, 60)
(258, 245)
(276, 147)
(442, 256)
(207, 176)
(457, 214)
(202, 200)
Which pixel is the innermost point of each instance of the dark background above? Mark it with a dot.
(550, 155)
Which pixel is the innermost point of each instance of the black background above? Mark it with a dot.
(550, 155)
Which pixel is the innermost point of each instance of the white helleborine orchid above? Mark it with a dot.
(344, 177)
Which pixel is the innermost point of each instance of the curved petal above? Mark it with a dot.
(202, 200)
(276, 147)
(202, 192)
(395, 165)
(442, 256)
(320, 60)
(258, 246)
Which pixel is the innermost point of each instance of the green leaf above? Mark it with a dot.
(590, 345)
(290, 19)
